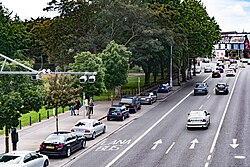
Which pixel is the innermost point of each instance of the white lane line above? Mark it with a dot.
(209, 157)
(200, 107)
(172, 145)
(149, 129)
(208, 96)
(206, 164)
(223, 116)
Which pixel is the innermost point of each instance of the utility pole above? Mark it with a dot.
(171, 66)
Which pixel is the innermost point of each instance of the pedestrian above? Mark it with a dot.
(91, 107)
(72, 107)
(86, 104)
(77, 106)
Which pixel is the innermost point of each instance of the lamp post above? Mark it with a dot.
(171, 67)
(139, 85)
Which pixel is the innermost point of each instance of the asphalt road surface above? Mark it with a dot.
(160, 138)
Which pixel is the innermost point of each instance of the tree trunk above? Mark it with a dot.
(194, 70)
(178, 77)
(183, 74)
(111, 96)
(147, 78)
(162, 71)
(56, 120)
(6, 138)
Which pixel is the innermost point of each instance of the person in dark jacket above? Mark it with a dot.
(91, 106)
(77, 106)
(72, 107)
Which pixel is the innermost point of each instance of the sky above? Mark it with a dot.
(231, 15)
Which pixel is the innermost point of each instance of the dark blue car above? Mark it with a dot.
(117, 112)
(164, 88)
(200, 88)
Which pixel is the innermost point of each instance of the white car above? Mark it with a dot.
(198, 119)
(230, 72)
(24, 159)
(90, 128)
(208, 69)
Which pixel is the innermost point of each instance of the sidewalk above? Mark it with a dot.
(30, 137)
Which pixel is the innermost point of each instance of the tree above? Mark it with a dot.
(115, 60)
(19, 95)
(88, 62)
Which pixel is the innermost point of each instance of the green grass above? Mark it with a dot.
(25, 118)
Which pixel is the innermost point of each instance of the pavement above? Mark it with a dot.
(30, 137)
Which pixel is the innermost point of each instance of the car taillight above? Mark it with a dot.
(132, 105)
(42, 145)
(87, 131)
(147, 99)
(203, 120)
(59, 146)
(72, 130)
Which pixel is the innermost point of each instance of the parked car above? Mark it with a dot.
(117, 112)
(208, 69)
(164, 88)
(198, 119)
(216, 74)
(62, 144)
(89, 128)
(132, 103)
(147, 97)
(205, 60)
(201, 88)
(221, 88)
(230, 72)
(221, 69)
(24, 159)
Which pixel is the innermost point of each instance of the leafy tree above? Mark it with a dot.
(19, 95)
(115, 59)
(88, 62)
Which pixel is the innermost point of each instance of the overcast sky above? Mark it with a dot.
(231, 15)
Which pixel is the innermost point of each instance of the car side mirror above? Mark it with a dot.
(208, 113)
(188, 114)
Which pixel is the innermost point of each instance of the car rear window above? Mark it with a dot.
(87, 124)
(199, 86)
(221, 86)
(197, 113)
(126, 100)
(55, 137)
(116, 110)
(10, 159)
(144, 94)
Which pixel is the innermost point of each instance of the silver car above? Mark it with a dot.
(147, 97)
(90, 128)
(24, 159)
(198, 119)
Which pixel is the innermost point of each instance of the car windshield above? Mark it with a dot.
(199, 86)
(87, 124)
(126, 100)
(56, 137)
(10, 159)
(197, 113)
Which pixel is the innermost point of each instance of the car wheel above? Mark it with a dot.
(93, 135)
(139, 107)
(83, 144)
(128, 115)
(188, 128)
(104, 130)
(68, 152)
(123, 118)
(108, 118)
(46, 163)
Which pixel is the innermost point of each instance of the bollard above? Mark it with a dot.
(48, 114)
(39, 117)
(30, 121)
(20, 124)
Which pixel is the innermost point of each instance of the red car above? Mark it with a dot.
(216, 74)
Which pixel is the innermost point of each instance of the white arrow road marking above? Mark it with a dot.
(172, 145)
(193, 143)
(234, 145)
(156, 144)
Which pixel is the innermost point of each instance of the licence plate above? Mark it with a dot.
(126, 105)
(50, 147)
(199, 90)
(221, 91)
(114, 113)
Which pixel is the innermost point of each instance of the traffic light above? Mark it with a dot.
(35, 77)
(83, 79)
(91, 79)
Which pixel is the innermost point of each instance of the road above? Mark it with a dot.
(159, 137)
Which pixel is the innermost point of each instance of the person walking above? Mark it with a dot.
(91, 107)
(86, 104)
(72, 107)
(77, 106)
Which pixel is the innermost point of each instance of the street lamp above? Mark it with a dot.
(171, 67)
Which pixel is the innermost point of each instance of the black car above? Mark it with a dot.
(132, 103)
(216, 74)
(220, 68)
(117, 112)
(62, 144)
(164, 88)
(221, 88)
